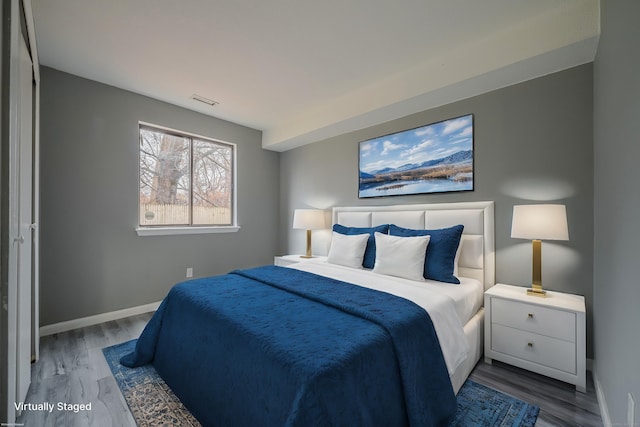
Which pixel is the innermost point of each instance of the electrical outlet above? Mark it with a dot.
(631, 410)
(189, 272)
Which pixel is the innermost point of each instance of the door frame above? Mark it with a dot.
(35, 256)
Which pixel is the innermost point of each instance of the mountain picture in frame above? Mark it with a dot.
(434, 158)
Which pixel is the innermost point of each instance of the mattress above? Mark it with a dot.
(449, 306)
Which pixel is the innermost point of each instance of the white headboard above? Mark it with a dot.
(477, 253)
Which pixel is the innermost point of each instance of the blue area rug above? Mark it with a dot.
(479, 405)
(153, 403)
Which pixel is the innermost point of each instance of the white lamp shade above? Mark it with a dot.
(309, 219)
(540, 222)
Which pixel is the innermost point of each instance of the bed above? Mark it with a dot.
(303, 346)
(476, 256)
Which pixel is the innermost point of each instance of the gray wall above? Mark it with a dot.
(533, 143)
(617, 205)
(92, 260)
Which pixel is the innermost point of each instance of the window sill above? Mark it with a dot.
(172, 231)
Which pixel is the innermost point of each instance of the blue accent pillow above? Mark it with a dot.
(441, 251)
(370, 252)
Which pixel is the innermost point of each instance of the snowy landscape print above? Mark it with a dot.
(430, 159)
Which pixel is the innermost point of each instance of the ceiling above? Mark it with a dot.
(302, 70)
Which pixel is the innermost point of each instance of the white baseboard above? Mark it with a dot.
(602, 402)
(97, 319)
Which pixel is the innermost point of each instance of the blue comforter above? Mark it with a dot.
(272, 346)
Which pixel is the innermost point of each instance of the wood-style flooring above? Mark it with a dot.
(73, 370)
(560, 404)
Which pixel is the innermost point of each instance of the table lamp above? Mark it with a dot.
(308, 219)
(537, 223)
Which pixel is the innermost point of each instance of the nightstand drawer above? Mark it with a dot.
(534, 318)
(543, 350)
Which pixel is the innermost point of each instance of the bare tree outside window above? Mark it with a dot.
(184, 180)
(211, 180)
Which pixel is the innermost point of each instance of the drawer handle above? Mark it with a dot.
(530, 344)
(530, 315)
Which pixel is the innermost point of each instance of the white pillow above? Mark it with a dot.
(401, 256)
(348, 250)
(456, 260)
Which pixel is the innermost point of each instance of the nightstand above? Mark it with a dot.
(285, 260)
(543, 335)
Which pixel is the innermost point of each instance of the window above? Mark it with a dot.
(185, 180)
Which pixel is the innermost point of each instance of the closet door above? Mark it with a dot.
(17, 308)
(25, 218)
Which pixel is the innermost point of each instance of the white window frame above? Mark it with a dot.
(162, 230)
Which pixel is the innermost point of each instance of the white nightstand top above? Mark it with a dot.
(298, 258)
(553, 299)
(286, 260)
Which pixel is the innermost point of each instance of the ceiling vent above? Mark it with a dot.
(204, 100)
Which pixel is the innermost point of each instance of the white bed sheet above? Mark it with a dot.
(468, 296)
(449, 306)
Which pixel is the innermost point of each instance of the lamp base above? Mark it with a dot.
(306, 256)
(537, 292)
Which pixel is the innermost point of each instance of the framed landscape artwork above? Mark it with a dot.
(435, 158)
